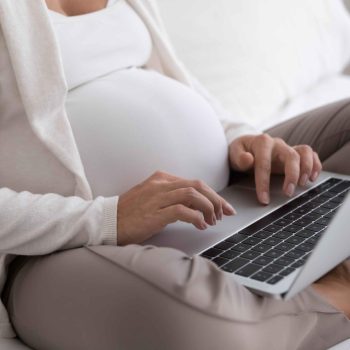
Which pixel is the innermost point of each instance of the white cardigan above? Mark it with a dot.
(37, 147)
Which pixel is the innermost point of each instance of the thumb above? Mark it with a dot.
(241, 159)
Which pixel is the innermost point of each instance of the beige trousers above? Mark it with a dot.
(148, 298)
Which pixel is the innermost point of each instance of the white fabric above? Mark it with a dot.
(326, 91)
(119, 40)
(46, 203)
(122, 118)
(132, 122)
(257, 56)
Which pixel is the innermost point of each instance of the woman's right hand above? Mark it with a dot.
(162, 199)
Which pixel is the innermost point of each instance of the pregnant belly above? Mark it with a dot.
(133, 122)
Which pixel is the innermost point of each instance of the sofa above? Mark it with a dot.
(266, 61)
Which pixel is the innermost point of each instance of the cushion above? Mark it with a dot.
(256, 56)
(326, 91)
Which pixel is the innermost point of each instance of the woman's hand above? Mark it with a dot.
(163, 199)
(266, 155)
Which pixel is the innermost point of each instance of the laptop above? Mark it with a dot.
(279, 249)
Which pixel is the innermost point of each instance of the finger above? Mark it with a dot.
(241, 158)
(316, 168)
(220, 205)
(262, 150)
(180, 212)
(291, 170)
(162, 176)
(191, 198)
(306, 163)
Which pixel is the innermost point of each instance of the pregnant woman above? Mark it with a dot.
(105, 139)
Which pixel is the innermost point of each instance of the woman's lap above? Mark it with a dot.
(326, 130)
(155, 298)
(138, 297)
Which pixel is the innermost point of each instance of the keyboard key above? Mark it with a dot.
(273, 268)
(236, 238)
(262, 234)
(212, 252)
(311, 205)
(295, 254)
(241, 247)
(230, 254)
(301, 211)
(274, 253)
(315, 227)
(330, 182)
(344, 185)
(312, 216)
(282, 222)
(223, 245)
(292, 228)
(305, 247)
(321, 210)
(255, 227)
(287, 271)
(330, 205)
(263, 260)
(313, 240)
(250, 254)
(261, 276)
(295, 240)
(323, 221)
(338, 199)
(343, 194)
(220, 261)
(303, 222)
(234, 264)
(252, 241)
(275, 279)
(282, 234)
(292, 216)
(321, 199)
(261, 248)
(328, 194)
(298, 263)
(296, 202)
(330, 214)
(273, 241)
(284, 261)
(272, 228)
(305, 233)
(306, 256)
(284, 246)
(248, 270)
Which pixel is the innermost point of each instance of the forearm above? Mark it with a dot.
(32, 224)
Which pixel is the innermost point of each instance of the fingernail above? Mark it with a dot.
(290, 190)
(204, 226)
(213, 220)
(314, 176)
(304, 179)
(230, 208)
(265, 198)
(219, 215)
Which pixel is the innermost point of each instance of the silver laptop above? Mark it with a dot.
(278, 249)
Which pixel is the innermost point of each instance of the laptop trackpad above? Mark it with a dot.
(242, 196)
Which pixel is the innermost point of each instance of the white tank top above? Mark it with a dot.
(128, 121)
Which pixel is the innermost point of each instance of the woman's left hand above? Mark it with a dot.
(266, 155)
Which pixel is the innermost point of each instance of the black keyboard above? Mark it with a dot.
(277, 244)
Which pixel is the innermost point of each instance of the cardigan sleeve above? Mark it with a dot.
(36, 224)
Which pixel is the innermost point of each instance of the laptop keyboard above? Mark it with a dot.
(276, 245)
